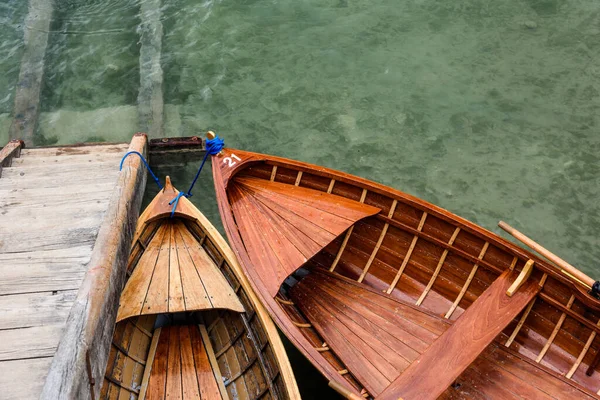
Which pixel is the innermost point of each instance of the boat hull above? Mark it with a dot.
(410, 253)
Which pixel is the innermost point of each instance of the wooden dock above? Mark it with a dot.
(66, 219)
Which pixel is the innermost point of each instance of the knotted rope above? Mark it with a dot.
(213, 147)
(145, 163)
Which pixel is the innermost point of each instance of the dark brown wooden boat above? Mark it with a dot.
(392, 297)
(189, 325)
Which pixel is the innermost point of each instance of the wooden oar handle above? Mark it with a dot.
(341, 389)
(564, 266)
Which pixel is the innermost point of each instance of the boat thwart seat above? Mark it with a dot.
(400, 351)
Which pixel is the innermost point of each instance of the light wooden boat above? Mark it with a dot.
(188, 325)
(392, 297)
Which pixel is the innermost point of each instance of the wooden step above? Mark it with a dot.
(45, 160)
(108, 167)
(452, 353)
(76, 150)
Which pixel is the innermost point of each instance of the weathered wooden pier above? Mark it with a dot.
(66, 219)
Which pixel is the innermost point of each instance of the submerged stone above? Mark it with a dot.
(530, 24)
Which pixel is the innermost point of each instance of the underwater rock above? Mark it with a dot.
(530, 24)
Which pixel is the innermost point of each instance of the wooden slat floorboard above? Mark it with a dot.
(52, 215)
(57, 181)
(80, 233)
(35, 159)
(181, 367)
(65, 198)
(462, 343)
(368, 330)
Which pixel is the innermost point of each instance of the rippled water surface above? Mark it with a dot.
(487, 108)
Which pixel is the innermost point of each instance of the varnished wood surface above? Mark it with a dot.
(181, 368)
(175, 274)
(262, 329)
(284, 227)
(128, 358)
(378, 338)
(415, 252)
(212, 286)
(453, 352)
(47, 234)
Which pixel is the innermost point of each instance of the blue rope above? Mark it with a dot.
(176, 201)
(145, 163)
(213, 146)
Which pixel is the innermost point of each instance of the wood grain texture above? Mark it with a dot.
(204, 262)
(174, 274)
(431, 374)
(263, 327)
(35, 309)
(282, 226)
(181, 367)
(375, 337)
(9, 152)
(23, 379)
(91, 320)
(420, 230)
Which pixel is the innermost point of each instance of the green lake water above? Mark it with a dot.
(489, 109)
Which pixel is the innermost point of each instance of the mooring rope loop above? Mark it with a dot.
(213, 147)
(145, 163)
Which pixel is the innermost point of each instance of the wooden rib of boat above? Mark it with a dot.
(392, 297)
(189, 325)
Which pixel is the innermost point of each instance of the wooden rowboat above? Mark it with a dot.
(392, 297)
(188, 325)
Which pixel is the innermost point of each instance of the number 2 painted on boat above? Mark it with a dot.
(229, 160)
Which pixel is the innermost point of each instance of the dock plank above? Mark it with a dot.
(62, 169)
(68, 191)
(49, 216)
(55, 181)
(117, 148)
(32, 342)
(54, 198)
(34, 159)
(53, 202)
(35, 309)
(81, 232)
(23, 379)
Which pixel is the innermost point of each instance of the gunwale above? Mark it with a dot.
(197, 226)
(554, 285)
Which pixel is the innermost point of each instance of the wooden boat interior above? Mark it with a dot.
(186, 328)
(403, 281)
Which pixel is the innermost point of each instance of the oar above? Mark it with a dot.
(564, 266)
(341, 389)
